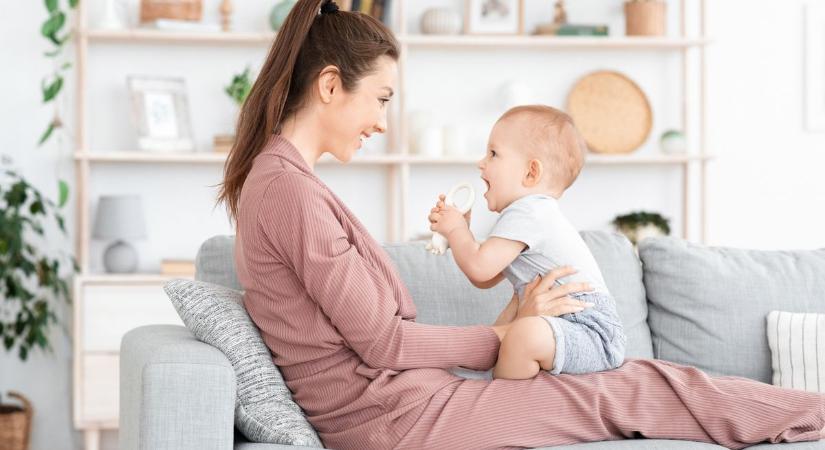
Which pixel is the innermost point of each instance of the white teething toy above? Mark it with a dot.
(438, 244)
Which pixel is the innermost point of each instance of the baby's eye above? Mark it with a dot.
(492, 153)
(383, 101)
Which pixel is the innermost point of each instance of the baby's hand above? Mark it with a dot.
(447, 219)
(438, 207)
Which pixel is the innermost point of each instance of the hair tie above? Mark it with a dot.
(329, 7)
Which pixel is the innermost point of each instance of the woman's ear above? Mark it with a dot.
(535, 170)
(329, 83)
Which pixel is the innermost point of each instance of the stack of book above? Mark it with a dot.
(376, 8)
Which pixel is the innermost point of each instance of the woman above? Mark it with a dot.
(340, 322)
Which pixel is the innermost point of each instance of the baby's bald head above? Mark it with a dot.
(549, 135)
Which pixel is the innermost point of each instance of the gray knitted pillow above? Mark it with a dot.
(264, 410)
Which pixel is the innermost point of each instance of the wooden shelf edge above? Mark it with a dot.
(136, 35)
(381, 159)
(116, 279)
(171, 36)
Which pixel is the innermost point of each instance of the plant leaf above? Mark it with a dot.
(52, 25)
(37, 208)
(73, 3)
(53, 53)
(46, 134)
(50, 91)
(66, 65)
(63, 189)
(51, 5)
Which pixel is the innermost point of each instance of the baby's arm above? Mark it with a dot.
(482, 263)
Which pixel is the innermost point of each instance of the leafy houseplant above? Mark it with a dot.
(238, 89)
(240, 86)
(52, 85)
(639, 225)
(30, 281)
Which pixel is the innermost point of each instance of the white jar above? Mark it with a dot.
(440, 21)
(455, 141)
(431, 142)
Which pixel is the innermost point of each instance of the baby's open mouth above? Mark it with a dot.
(487, 183)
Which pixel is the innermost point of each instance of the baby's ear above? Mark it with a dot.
(535, 171)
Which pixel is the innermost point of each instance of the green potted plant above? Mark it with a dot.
(237, 90)
(32, 281)
(639, 225)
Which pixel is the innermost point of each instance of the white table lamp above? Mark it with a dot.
(119, 217)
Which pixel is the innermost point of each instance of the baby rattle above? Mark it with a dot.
(438, 244)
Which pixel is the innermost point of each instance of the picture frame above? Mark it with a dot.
(160, 111)
(500, 17)
(814, 97)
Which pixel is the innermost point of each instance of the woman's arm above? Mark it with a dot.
(297, 219)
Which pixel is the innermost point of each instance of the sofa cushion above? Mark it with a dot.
(215, 262)
(265, 411)
(797, 343)
(708, 305)
(444, 296)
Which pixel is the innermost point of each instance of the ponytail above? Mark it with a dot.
(307, 42)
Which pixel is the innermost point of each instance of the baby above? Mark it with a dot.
(534, 154)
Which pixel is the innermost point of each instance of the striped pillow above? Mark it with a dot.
(797, 343)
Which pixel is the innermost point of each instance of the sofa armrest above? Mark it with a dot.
(175, 391)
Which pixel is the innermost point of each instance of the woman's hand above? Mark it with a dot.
(543, 298)
(439, 205)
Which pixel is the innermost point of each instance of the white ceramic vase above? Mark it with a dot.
(440, 21)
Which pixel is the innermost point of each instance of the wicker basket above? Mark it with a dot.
(15, 424)
(645, 18)
(170, 9)
(611, 112)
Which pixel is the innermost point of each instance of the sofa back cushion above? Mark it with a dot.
(444, 296)
(708, 306)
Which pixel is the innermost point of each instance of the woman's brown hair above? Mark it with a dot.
(314, 35)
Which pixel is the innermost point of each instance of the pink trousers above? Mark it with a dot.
(641, 399)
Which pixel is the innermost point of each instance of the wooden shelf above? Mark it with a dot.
(386, 159)
(137, 35)
(552, 42)
(119, 279)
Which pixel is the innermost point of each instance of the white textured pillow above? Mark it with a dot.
(265, 411)
(797, 343)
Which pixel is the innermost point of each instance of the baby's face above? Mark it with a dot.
(504, 166)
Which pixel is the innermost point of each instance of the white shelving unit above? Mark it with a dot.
(397, 161)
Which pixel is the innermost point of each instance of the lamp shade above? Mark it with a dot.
(119, 217)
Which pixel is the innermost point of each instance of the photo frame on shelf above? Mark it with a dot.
(814, 66)
(161, 113)
(494, 17)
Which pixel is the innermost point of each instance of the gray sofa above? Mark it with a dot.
(679, 301)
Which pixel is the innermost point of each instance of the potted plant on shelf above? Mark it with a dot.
(237, 90)
(32, 284)
(639, 225)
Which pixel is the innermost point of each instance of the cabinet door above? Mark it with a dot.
(109, 312)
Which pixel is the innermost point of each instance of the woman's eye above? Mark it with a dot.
(492, 153)
(383, 101)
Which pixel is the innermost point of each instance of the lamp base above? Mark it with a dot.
(120, 257)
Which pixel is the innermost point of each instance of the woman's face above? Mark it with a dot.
(354, 116)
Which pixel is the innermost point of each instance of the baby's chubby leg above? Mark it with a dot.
(528, 347)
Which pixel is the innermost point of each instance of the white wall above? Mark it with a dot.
(765, 188)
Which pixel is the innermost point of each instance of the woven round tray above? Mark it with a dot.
(611, 112)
